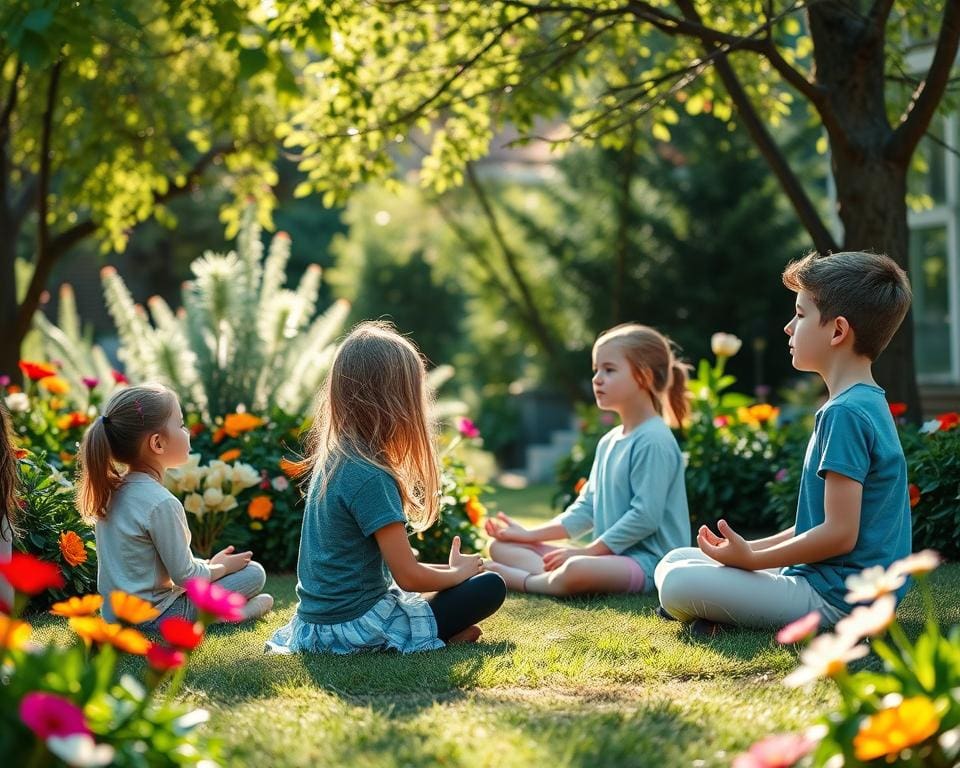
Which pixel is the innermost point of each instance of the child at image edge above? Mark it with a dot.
(374, 469)
(854, 509)
(143, 541)
(634, 501)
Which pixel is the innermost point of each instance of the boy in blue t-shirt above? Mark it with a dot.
(854, 507)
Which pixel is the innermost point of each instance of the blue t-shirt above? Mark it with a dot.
(340, 572)
(854, 435)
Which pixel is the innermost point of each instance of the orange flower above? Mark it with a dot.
(260, 508)
(66, 457)
(475, 510)
(72, 548)
(898, 409)
(890, 731)
(914, 495)
(21, 453)
(77, 606)
(197, 429)
(13, 633)
(55, 385)
(237, 423)
(72, 419)
(94, 629)
(36, 371)
(131, 609)
(232, 455)
(578, 486)
(219, 435)
(291, 468)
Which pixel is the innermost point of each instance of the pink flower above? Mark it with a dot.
(780, 751)
(280, 483)
(799, 630)
(781, 475)
(720, 421)
(4, 381)
(47, 714)
(162, 658)
(90, 382)
(119, 378)
(467, 428)
(214, 600)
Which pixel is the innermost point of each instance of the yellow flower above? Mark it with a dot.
(94, 629)
(131, 609)
(13, 633)
(232, 455)
(73, 549)
(55, 385)
(757, 414)
(891, 730)
(260, 508)
(475, 510)
(236, 423)
(77, 606)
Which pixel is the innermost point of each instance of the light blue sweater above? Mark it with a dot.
(635, 500)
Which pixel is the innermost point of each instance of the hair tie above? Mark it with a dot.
(105, 419)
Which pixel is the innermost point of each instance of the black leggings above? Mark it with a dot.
(471, 601)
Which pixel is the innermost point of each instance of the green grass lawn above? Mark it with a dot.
(585, 682)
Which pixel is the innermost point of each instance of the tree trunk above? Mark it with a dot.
(9, 343)
(871, 186)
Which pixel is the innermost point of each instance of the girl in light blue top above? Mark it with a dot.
(635, 501)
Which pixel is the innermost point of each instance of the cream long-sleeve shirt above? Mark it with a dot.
(143, 545)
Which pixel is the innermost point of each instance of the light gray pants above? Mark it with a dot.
(695, 586)
(248, 582)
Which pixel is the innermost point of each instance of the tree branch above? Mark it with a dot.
(807, 213)
(10, 104)
(64, 241)
(928, 95)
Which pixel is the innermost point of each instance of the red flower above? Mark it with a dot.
(914, 495)
(197, 429)
(948, 420)
(36, 371)
(119, 378)
(898, 409)
(28, 575)
(162, 658)
(182, 633)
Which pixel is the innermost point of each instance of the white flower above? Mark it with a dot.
(929, 427)
(280, 483)
(18, 402)
(228, 503)
(213, 497)
(216, 473)
(871, 583)
(242, 476)
(869, 621)
(80, 750)
(918, 562)
(194, 504)
(190, 480)
(725, 344)
(826, 656)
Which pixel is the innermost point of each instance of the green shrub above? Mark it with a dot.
(933, 464)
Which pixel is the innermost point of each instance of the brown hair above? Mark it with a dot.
(655, 366)
(8, 476)
(131, 415)
(374, 405)
(868, 289)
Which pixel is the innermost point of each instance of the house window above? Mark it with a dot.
(934, 261)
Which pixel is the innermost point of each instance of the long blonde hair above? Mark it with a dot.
(115, 439)
(654, 364)
(374, 405)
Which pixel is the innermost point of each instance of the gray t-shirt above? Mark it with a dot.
(341, 573)
(635, 500)
(143, 545)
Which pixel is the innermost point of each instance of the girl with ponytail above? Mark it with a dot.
(8, 498)
(635, 501)
(143, 541)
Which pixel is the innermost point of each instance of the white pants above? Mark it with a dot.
(695, 586)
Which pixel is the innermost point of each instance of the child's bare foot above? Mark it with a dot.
(470, 635)
(257, 607)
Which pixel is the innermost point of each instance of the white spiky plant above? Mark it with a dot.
(72, 347)
(241, 338)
